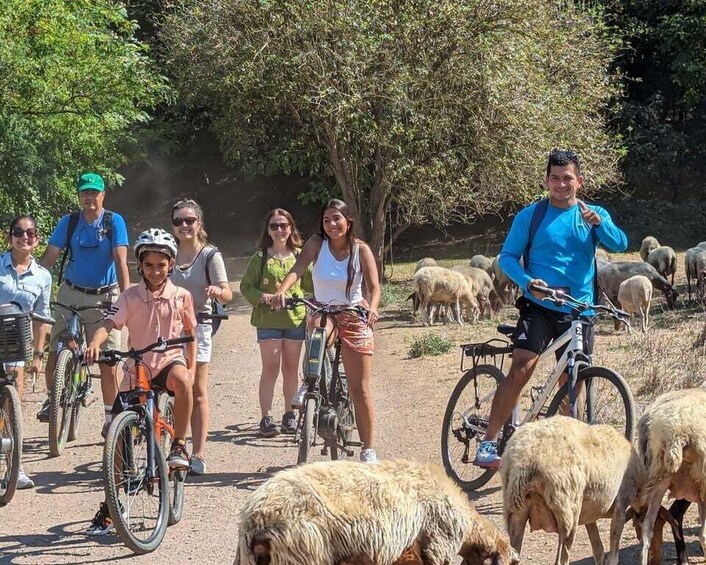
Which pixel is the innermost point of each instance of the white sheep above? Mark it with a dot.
(695, 267)
(648, 244)
(602, 256)
(672, 444)
(504, 287)
(664, 259)
(483, 262)
(635, 296)
(426, 262)
(345, 512)
(559, 473)
(488, 300)
(441, 285)
(701, 245)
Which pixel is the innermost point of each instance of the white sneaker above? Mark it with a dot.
(368, 455)
(23, 481)
(298, 399)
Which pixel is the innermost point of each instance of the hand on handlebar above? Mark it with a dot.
(277, 301)
(538, 294)
(92, 353)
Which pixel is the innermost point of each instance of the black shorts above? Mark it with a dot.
(538, 327)
(122, 400)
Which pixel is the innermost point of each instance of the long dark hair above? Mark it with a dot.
(196, 207)
(294, 241)
(342, 207)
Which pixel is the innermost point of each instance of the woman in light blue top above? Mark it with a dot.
(24, 281)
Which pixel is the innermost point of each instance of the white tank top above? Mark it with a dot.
(330, 277)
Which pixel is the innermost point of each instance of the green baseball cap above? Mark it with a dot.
(91, 181)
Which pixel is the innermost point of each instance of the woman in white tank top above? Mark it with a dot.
(341, 264)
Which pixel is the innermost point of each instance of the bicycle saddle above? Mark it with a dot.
(505, 329)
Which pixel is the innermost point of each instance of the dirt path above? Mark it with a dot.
(44, 525)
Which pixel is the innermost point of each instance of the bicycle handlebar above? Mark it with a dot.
(203, 317)
(43, 319)
(290, 303)
(561, 298)
(78, 309)
(112, 356)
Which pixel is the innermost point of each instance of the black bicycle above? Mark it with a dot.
(597, 395)
(15, 346)
(327, 409)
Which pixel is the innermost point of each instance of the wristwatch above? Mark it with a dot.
(39, 354)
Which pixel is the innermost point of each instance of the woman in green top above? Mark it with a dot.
(280, 333)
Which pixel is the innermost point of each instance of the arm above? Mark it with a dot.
(372, 281)
(57, 242)
(221, 290)
(191, 350)
(120, 258)
(39, 331)
(51, 254)
(609, 234)
(251, 278)
(190, 322)
(513, 248)
(305, 258)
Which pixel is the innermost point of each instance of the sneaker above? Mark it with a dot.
(368, 455)
(268, 428)
(198, 466)
(298, 399)
(102, 523)
(43, 414)
(23, 481)
(178, 456)
(487, 455)
(289, 423)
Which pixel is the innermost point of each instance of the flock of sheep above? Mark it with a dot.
(481, 288)
(557, 474)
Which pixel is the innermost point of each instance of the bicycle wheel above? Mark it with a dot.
(165, 405)
(138, 502)
(464, 425)
(76, 412)
(10, 442)
(60, 402)
(345, 413)
(308, 431)
(603, 397)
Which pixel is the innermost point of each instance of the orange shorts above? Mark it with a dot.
(355, 333)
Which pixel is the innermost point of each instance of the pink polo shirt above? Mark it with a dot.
(149, 317)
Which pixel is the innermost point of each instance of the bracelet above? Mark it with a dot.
(39, 354)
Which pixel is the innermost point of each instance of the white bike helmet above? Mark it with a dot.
(155, 239)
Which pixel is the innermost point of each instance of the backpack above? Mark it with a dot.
(216, 307)
(71, 228)
(540, 210)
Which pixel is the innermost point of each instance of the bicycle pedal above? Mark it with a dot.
(355, 443)
(348, 452)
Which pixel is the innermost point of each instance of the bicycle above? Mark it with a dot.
(135, 472)
(592, 393)
(327, 409)
(71, 379)
(15, 346)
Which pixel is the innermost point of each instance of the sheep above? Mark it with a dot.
(602, 256)
(635, 295)
(672, 445)
(648, 244)
(701, 245)
(488, 300)
(610, 275)
(438, 284)
(504, 287)
(313, 515)
(695, 267)
(482, 262)
(426, 262)
(664, 259)
(559, 473)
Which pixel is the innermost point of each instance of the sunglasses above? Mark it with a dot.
(176, 222)
(19, 232)
(275, 227)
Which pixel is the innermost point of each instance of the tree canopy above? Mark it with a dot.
(435, 109)
(74, 84)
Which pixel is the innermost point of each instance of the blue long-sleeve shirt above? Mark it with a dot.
(562, 252)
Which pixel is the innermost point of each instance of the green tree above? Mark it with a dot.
(435, 109)
(74, 87)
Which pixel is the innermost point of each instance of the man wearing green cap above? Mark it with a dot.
(96, 243)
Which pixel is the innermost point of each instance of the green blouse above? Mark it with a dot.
(257, 281)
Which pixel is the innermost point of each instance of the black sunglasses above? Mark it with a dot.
(274, 226)
(176, 222)
(19, 232)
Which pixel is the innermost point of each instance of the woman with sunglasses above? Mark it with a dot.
(279, 334)
(200, 270)
(24, 281)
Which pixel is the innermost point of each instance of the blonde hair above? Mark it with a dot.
(202, 235)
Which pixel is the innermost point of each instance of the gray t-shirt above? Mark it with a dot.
(193, 278)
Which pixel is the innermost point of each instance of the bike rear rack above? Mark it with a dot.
(495, 348)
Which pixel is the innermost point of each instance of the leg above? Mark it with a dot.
(648, 523)
(199, 415)
(19, 381)
(702, 526)
(523, 364)
(291, 354)
(596, 543)
(271, 353)
(179, 381)
(359, 368)
(516, 524)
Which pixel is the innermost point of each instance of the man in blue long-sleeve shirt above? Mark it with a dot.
(560, 255)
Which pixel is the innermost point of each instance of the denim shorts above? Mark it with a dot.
(295, 334)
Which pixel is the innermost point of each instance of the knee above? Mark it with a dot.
(180, 381)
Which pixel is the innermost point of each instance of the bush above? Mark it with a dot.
(393, 294)
(430, 344)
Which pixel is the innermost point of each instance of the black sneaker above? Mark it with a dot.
(43, 414)
(268, 428)
(289, 423)
(178, 456)
(102, 523)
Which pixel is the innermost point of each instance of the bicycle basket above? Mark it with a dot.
(494, 348)
(15, 334)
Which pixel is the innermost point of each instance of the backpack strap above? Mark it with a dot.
(71, 228)
(540, 210)
(209, 256)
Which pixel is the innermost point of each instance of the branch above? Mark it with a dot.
(399, 230)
